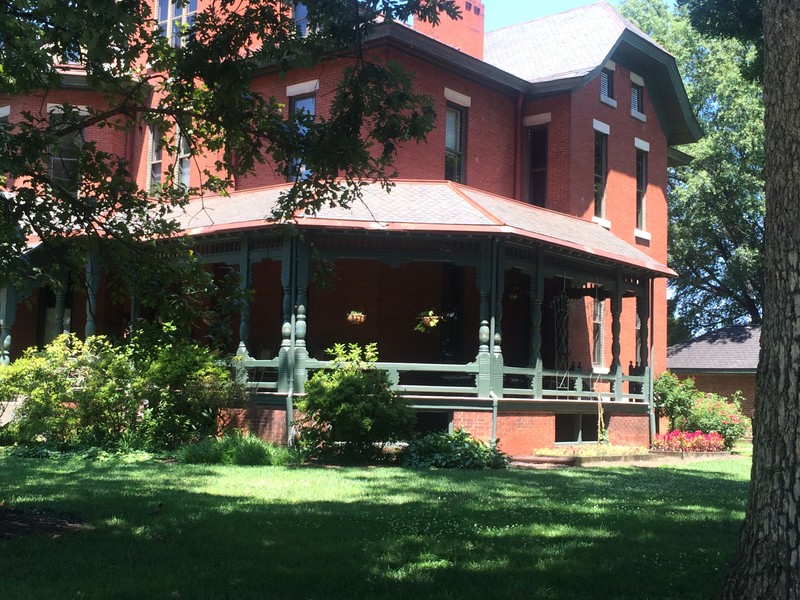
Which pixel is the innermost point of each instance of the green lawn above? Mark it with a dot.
(273, 533)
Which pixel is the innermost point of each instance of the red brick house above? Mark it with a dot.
(722, 362)
(533, 223)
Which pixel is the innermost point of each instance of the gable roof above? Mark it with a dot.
(425, 207)
(726, 350)
(564, 51)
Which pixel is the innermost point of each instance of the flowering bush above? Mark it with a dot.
(689, 441)
(714, 413)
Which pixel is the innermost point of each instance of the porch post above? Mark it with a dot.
(300, 350)
(8, 312)
(60, 307)
(484, 334)
(286, 330)
(643, 311)
(616, 312)
(92, 286)
(244, 284)
(497, 317)
(537, 297)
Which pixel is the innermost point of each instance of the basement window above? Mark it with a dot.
(577, 429)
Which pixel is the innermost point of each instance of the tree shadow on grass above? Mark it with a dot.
(610, 533)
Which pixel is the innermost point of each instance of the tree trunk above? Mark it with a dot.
(767, 561)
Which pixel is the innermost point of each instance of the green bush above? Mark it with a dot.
(350, 410)
(235, 448)
(674, 398)
(712, 413)
(156, 391)
(457, 450)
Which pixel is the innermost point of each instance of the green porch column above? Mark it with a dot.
(484, 357)
(643, 312)
(287, 282)
(499, 283)
(616, 313)
(92, 287)
(8, 313)
(303, 266)
(244, 286)
(537, 297)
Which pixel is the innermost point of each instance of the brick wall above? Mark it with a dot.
(725, 384)
(266, 422)
(629, 430)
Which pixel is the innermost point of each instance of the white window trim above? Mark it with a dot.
(5, 111)
(637, 115)
(640, 234)
(602, 222)
(601, 127)
(303, 88)
(82, 109)
(534, 120)
(637, 79)
(457, 98)
(641, 144)
(610, 65)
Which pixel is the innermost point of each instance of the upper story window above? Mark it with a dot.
(637, 97)
(607, 84)
(4, 112)
(641, 189)
(301, 105)
(156, 160)
(183, 157)
(300, 16)
(601, 132)
(598, 332)
(64, 159)
(455, 142)
(537, 161)
(173, 16)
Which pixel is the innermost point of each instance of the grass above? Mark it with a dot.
(280, 533)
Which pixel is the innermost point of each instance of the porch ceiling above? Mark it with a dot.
(424, 206)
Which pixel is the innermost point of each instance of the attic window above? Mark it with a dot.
(607, 85)
(469, 6)
(477, 10)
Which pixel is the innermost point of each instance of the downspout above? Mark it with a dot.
(518, 149)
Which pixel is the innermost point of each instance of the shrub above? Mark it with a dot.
(235, 448)
(156, 391)
(350, 410)
(457, 450)
(673, 397)
(685, 441)
(714, 413)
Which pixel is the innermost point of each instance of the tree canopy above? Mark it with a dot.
(716, 203)
(202, 87)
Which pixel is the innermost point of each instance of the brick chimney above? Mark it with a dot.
(465, 34)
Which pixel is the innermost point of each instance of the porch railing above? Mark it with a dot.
(433, 384)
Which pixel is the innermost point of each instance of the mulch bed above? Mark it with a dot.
(15, 522)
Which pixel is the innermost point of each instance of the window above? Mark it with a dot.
(64, 160)
(607, 83)
(577, 429)
(641, 188)
(183, 160)
(4, 112)
(156, 159)
(598, 332)
(637, 98)
(454, 143)
(300, 16)
(600, 172)
(173, 16)
(301, 105)
(537, 160)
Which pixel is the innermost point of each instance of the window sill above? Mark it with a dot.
(610, 101)
(637, 115)
(640, 234)
(602, 222)
(600, 370)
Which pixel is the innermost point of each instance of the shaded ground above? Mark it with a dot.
(15, 522)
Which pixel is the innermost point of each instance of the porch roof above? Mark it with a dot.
(424, 206)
